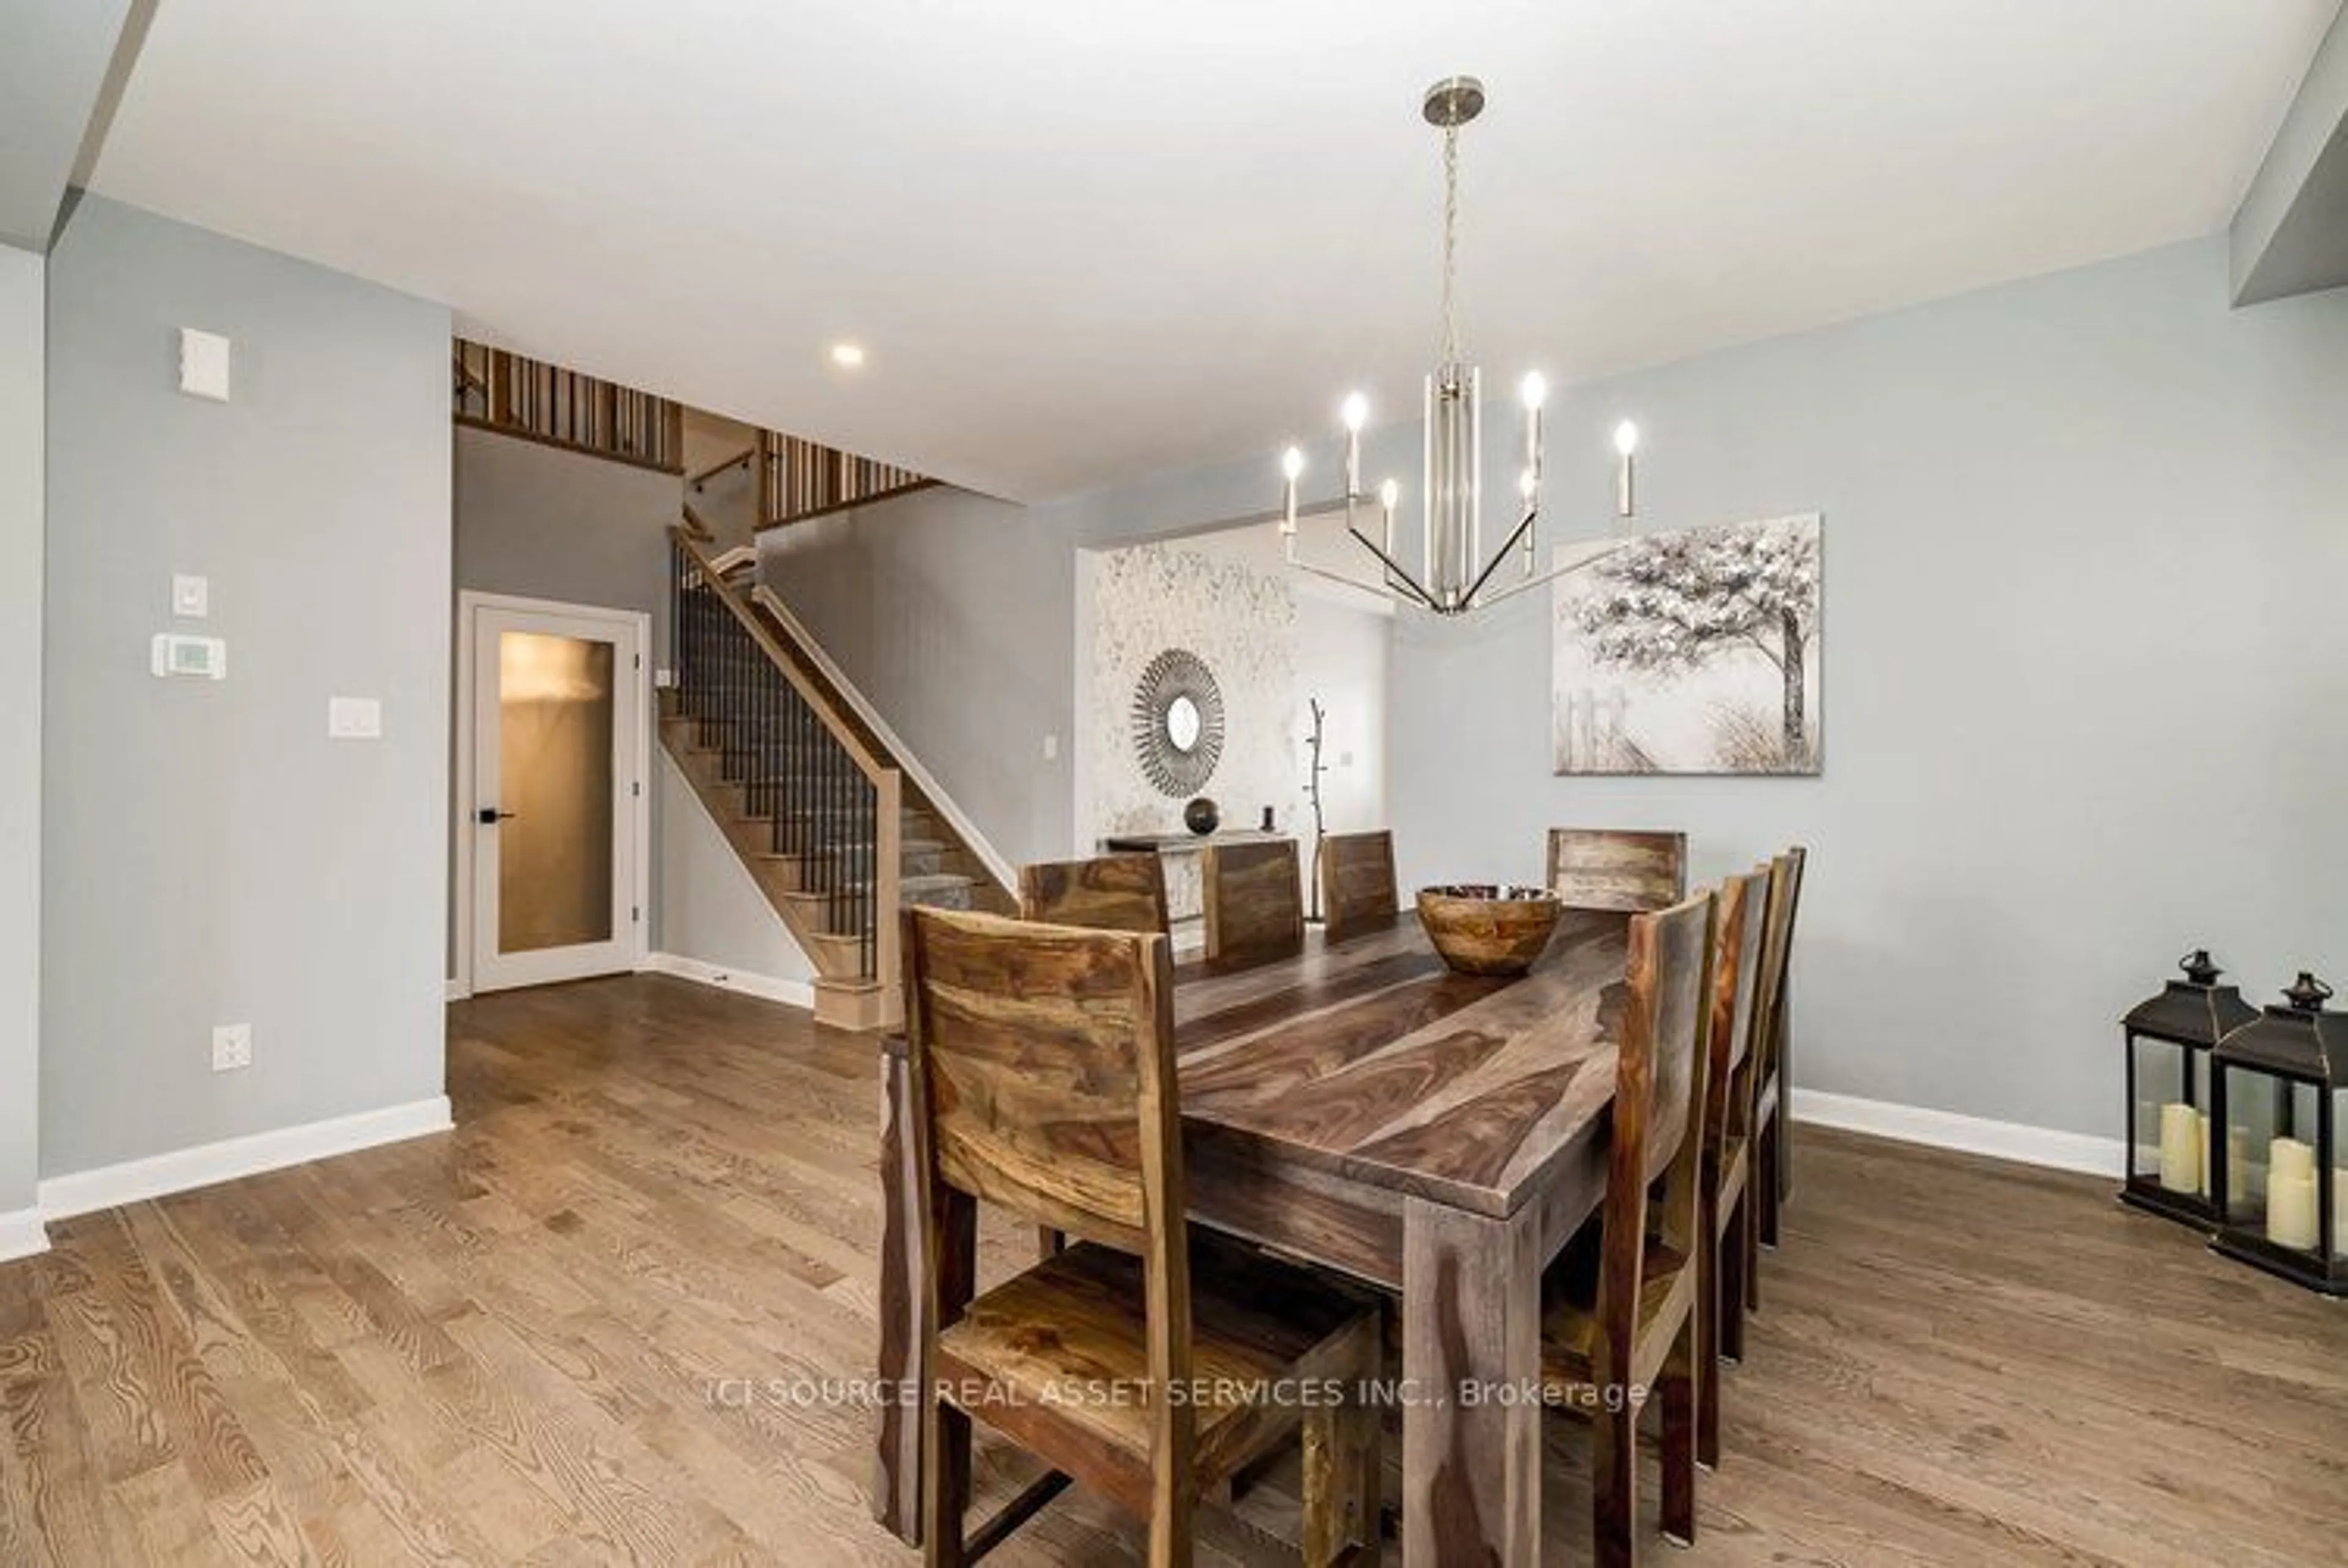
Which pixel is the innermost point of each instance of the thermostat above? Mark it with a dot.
(200, 657)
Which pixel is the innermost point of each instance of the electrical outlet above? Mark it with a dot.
(231, 1047)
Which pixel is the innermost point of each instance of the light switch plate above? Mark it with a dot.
(190, 596)
(1051, 748)
(231, 1047)
(203, 364)
(354, 718)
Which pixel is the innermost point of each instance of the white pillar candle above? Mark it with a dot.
(2201, 1136)
(2291, 1211)
(2289, 1157)
(2181, 1147)
(2237, 1167)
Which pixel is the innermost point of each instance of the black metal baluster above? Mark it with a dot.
(869, 893)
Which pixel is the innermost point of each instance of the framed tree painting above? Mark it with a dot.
(1690, 652)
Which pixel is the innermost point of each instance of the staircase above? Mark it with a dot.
(813, 794)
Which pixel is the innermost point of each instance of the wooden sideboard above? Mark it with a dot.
(1181, 851)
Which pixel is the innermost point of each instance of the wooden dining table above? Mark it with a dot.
(1364, 1109)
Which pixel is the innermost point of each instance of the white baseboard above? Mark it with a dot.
(1968, 1135)
(22, 1234)
(796, 993)
(458, 991)
(134, 1180)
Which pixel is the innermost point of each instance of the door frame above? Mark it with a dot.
(462, 830)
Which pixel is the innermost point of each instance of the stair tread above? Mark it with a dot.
(921, 882)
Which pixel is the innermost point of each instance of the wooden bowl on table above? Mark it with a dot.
(1486, 929)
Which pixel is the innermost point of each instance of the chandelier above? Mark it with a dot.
(1454, 574)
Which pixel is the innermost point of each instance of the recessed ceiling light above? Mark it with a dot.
(848, 356)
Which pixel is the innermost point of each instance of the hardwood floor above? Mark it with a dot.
(506, 1345)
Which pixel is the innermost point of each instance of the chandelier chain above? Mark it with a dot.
(1450, 240)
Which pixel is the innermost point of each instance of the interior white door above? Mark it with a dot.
(558, 714)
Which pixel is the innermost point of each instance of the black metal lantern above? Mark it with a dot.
(2169, 1038)
(2281, 1185)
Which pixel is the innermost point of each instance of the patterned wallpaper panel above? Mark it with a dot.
(1243, 623)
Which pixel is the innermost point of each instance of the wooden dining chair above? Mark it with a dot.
(1726, 1188)
(1769, 1109)
(1108, 893)
(1619, 1305)
(1617, 868)
(1358, 882)
(1254, 903)
(1147, 1361)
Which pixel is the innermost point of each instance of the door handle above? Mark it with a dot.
(489, 816)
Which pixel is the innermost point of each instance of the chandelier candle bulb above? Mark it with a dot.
(1355, 413)
(1626, 446)
(1535, 393)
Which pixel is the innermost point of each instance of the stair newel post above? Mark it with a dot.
(888, 866)
(763, 461)
(867, 886)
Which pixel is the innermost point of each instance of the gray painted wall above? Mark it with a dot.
(710, 908)
(543, 523)
(211, 856)
(954, 612)
(549, 524)
(2085, 539)
(21, 360)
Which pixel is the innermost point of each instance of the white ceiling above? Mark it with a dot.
(1084, 241)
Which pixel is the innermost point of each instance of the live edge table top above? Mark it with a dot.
(1371, 1060)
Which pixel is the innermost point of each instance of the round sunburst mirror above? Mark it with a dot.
(1177, 722)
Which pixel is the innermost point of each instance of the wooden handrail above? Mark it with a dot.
(998, 868)
(873, 768)
(697, 527)
(742, 460)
